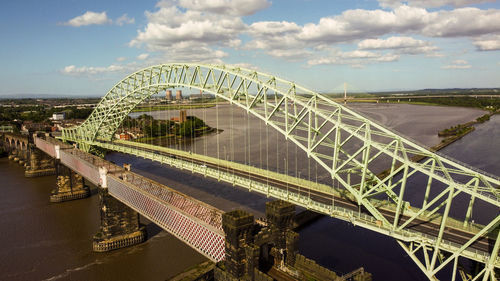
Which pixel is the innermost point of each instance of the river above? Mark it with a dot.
(40, 240)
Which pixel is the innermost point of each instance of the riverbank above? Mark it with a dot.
(172, 107)
(451, 135)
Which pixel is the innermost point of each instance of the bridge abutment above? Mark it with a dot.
(119, 227)
(69, 186)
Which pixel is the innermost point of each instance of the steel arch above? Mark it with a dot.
(346, 144)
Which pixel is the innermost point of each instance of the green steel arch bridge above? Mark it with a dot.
(349, 147)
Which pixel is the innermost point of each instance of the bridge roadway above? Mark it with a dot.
(451, 234)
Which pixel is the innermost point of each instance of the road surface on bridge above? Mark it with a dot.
(451, 234)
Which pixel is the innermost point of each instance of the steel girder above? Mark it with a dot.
(350, 147)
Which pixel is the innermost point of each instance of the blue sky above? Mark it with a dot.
(59, 47)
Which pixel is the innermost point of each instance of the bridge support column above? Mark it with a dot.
(23, 157)
(13, 154)
(120, 225)
(39, 164)
(69, 186)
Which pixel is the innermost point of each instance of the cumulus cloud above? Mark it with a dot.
(195, 30)
(244, 65)
(457, 64)
(361, 24)
(403, 45)
(91, 70)
(431, 3)
(120, 59)
(280, 38)
(356, 58)
(225, 7)
(124, 19)
(143, 56)
(89, 18)
(489, 43)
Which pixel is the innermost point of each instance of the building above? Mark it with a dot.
(168, 95)
(58, 116)
(182, 116)
(178, 95)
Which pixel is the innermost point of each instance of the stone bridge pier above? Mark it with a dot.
(21, 149)
(69, 185)
(39, 164)
(120, 226)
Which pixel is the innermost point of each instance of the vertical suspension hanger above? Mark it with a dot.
(217, 122)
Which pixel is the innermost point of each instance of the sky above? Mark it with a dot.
(83, 48)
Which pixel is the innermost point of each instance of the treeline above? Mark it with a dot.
(488, 103)
(192, 127)
(41, 113)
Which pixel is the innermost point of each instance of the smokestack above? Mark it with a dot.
(168, 94)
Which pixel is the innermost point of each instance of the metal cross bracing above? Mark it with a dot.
(348, 146)
(192, 221)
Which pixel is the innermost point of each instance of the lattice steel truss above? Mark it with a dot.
(419, 185)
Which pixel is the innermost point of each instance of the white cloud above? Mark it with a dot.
(463, 22)
(431, 3)
(356, 59)
(225, 7)
(488, 43)
(194, 30)
(390, 43)
(281, 38)
(403, 45)
(89, 18)
(273, 27)
(120, 59)
(185, 34)
(91, 70)
(361, 24)
(143, 56)
(458, 64)
(244, 65)
(124, 19)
